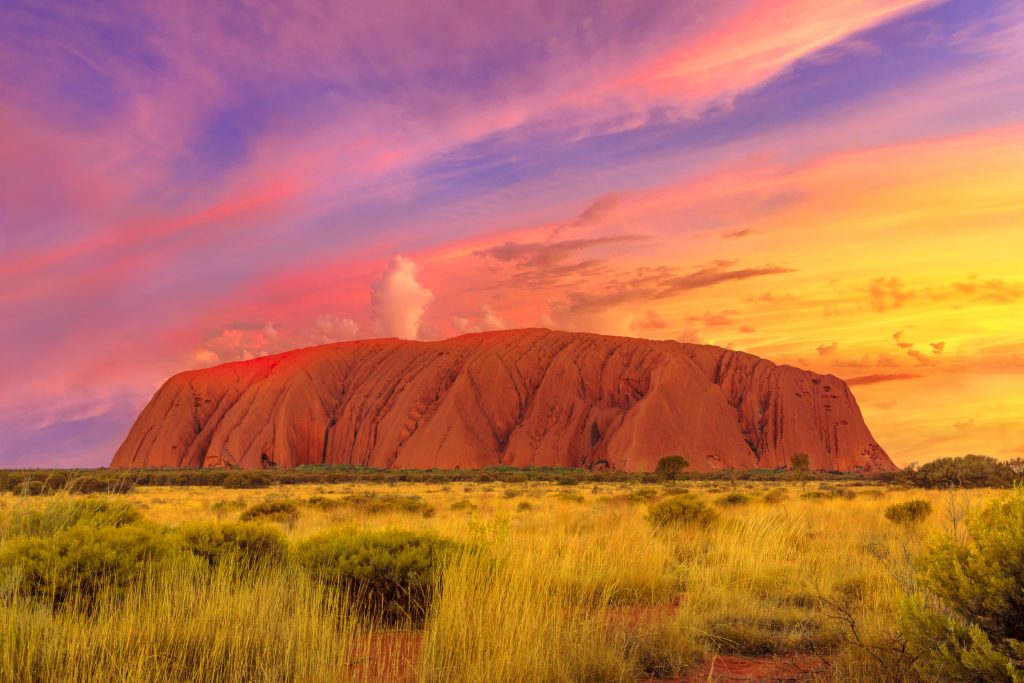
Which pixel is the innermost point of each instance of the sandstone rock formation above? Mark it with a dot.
(518, 397)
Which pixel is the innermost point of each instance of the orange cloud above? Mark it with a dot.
(882, 377)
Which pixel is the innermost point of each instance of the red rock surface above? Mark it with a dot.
(518, 397)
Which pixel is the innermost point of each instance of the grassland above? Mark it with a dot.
(543, 582)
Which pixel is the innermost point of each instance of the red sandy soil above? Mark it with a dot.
(789, 669)
(641, 615)
(390, 657)
(517, 397)
(398, 652)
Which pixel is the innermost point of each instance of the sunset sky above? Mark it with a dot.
(837, 185)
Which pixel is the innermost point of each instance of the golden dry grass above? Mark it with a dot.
(578, 587)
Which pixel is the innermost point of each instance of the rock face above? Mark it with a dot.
(519, 398)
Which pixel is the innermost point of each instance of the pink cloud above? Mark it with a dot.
(741, 52)
(398, 301)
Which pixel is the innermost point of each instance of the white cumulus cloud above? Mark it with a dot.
(336, 329)
(484, 321)
(398, 301)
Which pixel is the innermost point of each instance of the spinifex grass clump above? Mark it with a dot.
(323, 502)
(280, 510)
(839, 492)
(73, 566)
(87, 483)
(829, 492)
(222, 507)
(571, 497)
(733, 499)
(644, 494)
(909, 513)
(69, 550)
(684, 509)
(64, 513)
(190, 625)
(389, 574)
(381, 503)
(244, 545)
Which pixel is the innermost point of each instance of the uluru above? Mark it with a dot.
(519, 398)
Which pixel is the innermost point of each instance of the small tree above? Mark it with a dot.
(671, 466)
(800, 466)
(733, 476)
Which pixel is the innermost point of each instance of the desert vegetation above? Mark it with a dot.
(510, 576)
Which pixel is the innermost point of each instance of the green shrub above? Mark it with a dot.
(380, 503)
(524, 506)
(969, 471)
(684, 509)
(967, 623)
(246, 480)
(274, 510)
(733, 499)
(909, 513)
(463, 505)
(827, 491)
(567, 480)
(74, 565)
(323, 503)
(223, 506)
(30, 487)
(570, 497)
(58, 515)
(88, 483)
(644, 494)
(838, 492)
(775, 496)
(247, 545)
(390, 575)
